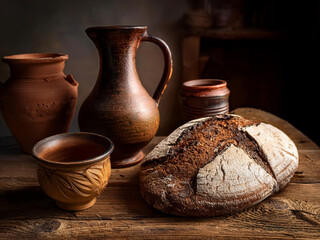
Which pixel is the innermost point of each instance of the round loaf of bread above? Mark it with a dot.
(215, 166)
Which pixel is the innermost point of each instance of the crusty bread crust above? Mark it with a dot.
(215, 166)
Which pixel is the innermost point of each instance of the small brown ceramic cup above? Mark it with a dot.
(204, 98)
(73, 168)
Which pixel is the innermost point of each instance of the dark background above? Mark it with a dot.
(276, 75)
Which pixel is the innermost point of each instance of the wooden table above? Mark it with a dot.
(120, 211)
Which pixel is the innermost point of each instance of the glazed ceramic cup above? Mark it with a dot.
(204, 98)
(73, 168)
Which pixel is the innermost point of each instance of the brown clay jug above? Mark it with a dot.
(38, 100)
(119, 107)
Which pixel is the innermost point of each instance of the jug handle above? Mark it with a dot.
(167, 72)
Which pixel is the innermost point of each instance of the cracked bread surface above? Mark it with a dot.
(214, 166)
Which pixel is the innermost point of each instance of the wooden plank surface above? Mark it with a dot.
(121, 213)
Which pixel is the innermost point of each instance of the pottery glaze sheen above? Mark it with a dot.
(38, 100)
(119, 107)
(204, 98)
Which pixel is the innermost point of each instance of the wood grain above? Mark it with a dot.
(121, 213)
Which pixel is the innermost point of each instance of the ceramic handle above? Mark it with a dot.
(167, 66)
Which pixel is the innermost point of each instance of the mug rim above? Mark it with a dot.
(197, 84)
(47, 140)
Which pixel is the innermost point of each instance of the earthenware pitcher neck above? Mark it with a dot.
(117, 46)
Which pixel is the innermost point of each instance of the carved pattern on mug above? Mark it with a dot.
(83, 184)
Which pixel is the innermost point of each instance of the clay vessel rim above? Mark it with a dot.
(117, 27)
(204, 84)
(36, 153)
(35, 57)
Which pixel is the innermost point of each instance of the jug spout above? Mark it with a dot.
(117, 46)
(116, 35)
(71, 80)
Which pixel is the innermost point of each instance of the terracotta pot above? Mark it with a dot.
(119, 107)
(204, 98)
(73, 168)
(38, 100)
